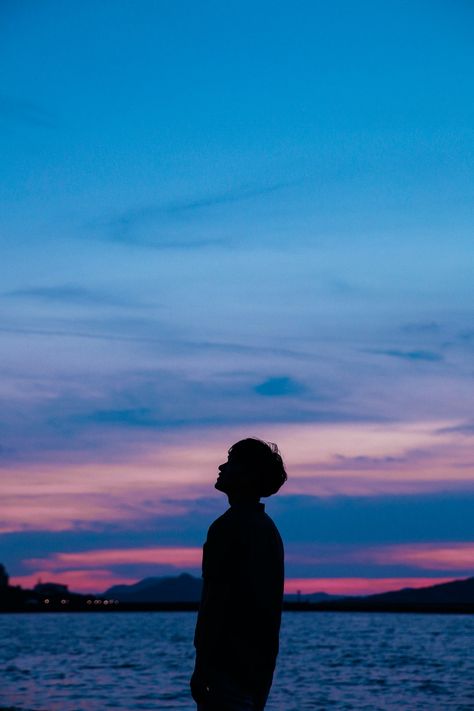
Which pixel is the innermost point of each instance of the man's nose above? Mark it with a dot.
(221, 467)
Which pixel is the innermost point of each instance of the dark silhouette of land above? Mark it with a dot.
(457, 593)
(456, 596)
(182, 592)
(185, 588)
(181, 588)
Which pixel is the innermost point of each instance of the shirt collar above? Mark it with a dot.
(248, 506)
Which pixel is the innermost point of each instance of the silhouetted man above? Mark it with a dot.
(238, 624)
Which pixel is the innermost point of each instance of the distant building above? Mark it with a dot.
(51, 589)
(3, 577)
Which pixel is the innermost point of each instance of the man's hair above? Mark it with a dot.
(264, 461)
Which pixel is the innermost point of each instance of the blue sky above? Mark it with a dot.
(223, 220)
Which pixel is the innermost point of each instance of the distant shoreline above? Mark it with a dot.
(182, 594)
(332, 606)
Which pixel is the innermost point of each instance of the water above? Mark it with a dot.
(340, 661)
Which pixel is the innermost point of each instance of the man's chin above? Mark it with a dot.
(219, 485)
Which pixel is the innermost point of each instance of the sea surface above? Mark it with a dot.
(328, 660)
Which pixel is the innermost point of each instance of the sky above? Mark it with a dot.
(237, 219)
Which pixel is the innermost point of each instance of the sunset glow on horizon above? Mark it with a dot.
(79, 581)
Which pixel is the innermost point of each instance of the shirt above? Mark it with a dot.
(239, 617)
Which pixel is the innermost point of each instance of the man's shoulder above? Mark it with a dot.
(271, 525)
(232, 522)
(222, 523)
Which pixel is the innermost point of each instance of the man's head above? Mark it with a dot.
(253, 469)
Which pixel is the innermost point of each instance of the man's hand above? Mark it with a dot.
(199, 687)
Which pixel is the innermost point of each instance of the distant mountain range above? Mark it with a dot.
(187, 588)
(181, 588)
(458, 592)
(182, 592)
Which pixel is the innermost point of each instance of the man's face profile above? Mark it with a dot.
(231, 475)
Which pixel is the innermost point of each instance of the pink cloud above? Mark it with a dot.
(425, 556)
(429, 556)
(181, 557)
(323, 460)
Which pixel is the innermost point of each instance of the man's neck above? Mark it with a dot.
(242, 499)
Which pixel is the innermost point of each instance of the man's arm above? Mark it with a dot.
(216, 570)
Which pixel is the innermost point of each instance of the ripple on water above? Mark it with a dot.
(331, 661)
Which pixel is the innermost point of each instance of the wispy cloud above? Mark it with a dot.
(171, 342)
(177, 556)
(127, 226)
(416, 355)
(425, 328)
(464, 428)
(282, 386)
(467, 335)
(69, 294)
(131, 417)
(16, 110)
(29, 331)
(231, 196)
(363, 462)
(456, 556)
